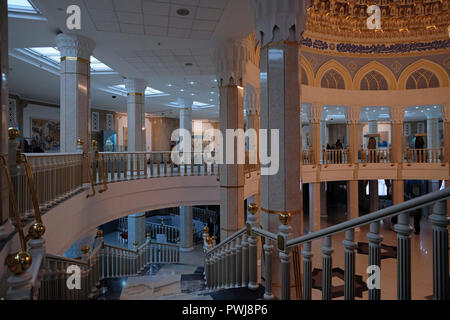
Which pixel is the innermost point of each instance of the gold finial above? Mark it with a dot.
(36, 231)
(94, 143)
(135, 243)
(85, 249)
(205, 229)
(13, 133)
(284, 218)
(99, 233)
(148, 235)
(80, 142)
(253, 208)
(19, 262)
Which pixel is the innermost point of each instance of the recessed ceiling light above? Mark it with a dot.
(417, 107)
(211, 100)
(169, 85)
(182, 90)
(215, 80)
(192, 94)
(212, 92)
(192, 82)
(183, 12)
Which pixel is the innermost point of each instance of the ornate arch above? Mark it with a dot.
(333, 64)
(378, 67)
(309, 73)
(436, 69)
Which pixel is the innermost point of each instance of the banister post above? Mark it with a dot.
(284, 231)
(349, 270)
(440, 221)
(403, 230)
(374, 255)
(252, 247)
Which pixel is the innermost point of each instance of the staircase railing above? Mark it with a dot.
(104, 261)
(232, 263)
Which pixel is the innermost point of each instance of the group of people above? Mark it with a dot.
(337, 146)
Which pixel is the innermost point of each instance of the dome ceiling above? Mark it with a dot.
(401, 20)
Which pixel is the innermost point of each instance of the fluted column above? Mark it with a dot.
(186, 232)
(349, 269)
(403, 230)
(375, 239)
(279, 25)
(136, 113)
(5, 226)
(397, 117)
(231, 58)
(327, 266)
(440, 223)
(352, 117)
(75, 88)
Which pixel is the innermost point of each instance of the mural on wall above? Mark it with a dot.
(45, 135)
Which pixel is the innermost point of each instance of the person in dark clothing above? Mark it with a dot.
(420, 152)
(211, 228)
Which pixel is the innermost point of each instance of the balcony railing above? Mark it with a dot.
(307, 156)
(432, 155)
(56, 176)
(376, 155)
(335, 156)
(123, 166)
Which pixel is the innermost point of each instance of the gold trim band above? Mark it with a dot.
(135, 94)
(279, 212)
(232, 187)
(229, 86)
(75, 59)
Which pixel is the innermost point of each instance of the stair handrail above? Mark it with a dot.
(264, 233)
(388, 212)
(78, 262)
(227, 240)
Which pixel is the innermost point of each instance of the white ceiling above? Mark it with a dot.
(136, 38)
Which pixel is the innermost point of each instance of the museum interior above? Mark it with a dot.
(316, 163)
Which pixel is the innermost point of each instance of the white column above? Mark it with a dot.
(432, 133)
(186, 114)
(231, 61)
(136, 229)
(279, 25)
(186, 232)
(136, 114)
(75, 111)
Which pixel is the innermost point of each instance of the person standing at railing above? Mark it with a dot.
(420, 152)
(372, 145)
(338, 146)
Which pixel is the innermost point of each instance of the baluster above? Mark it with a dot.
(284, 231)
(268, 269)
(245, 261)
(349, 273)
(374, 258)
(440, 222)
(238, 265)
(151, 165)
(165, 165)
(403, 230)
(327, 251)
(252, 253)
(233, 264)
(307, 271)
(158, 166)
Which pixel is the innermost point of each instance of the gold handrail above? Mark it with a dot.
(12, 193)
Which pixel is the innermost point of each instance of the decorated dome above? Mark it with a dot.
(402, 21)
